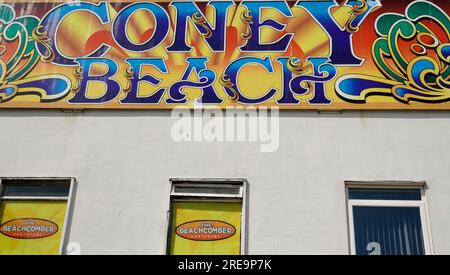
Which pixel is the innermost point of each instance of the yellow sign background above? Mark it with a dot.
(309, 40)
(53, 211)
(183, 212)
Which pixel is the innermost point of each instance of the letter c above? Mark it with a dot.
(53, 19)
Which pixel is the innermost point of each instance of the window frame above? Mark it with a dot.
(422, 204)
(208, 197)
(70, 198)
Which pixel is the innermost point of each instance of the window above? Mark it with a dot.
(388, 219)
(34, 215)
(207, 216)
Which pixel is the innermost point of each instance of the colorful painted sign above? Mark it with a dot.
(28, 228)
(31, 227)
(350, 54)
(206, 228)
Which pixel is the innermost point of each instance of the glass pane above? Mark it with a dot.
(20, 190)
(208, 190)
(388, 231)
(384, 194)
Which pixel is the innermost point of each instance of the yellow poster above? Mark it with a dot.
(206, 228)
(31, 227)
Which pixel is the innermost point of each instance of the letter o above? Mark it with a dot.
(120, 23)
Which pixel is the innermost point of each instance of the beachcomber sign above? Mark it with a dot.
(28, 228)
(205, 230)
(351, 54)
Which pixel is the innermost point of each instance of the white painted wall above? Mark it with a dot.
(123, 161)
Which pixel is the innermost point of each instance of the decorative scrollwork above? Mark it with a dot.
(297, 67)
(78, 73)
(420, 72)
(40, 36)
(247, 19)
(356, 11)
(129, 75)
(19, 55)
(226, 82)
(201, 21)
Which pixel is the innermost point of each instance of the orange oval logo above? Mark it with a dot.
(28, 228)
(205, 230)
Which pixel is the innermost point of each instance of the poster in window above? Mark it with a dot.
(31, 227)
(211, 228)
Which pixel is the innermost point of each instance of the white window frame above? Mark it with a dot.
(195, 196)
(422, 205)
(69, 199)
